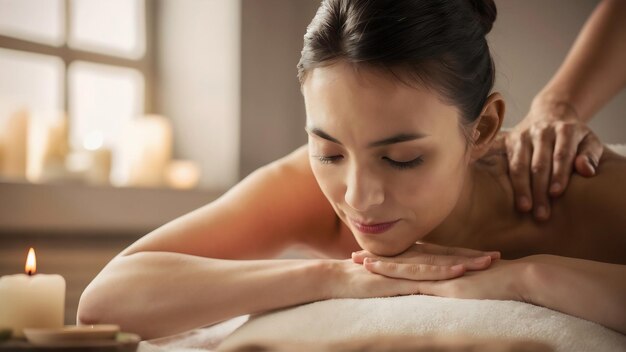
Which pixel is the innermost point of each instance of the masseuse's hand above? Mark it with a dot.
(543, 150)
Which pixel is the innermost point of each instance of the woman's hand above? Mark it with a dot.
(425, 261)
(543, 149)
(503, 279)
(355, 279)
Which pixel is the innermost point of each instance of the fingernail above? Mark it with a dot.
(592, 162)
(457, 267)
(481, 260)
(524, 202)
(370, 260)
(556, 187)
(493, 255)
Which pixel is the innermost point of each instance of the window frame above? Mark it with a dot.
(145, 64)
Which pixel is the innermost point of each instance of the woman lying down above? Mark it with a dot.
(395, 189)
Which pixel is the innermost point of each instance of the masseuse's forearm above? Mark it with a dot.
(587, 289)
(593, 71)
(161, 293)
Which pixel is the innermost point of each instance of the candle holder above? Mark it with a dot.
(72, 338)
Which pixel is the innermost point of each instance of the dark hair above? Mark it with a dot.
(437, 43)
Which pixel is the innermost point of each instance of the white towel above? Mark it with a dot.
(353, 319)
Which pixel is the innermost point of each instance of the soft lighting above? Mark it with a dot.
(93, 140)
(182, 174)
(31, 262)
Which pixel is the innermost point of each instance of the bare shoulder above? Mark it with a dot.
(276, 206)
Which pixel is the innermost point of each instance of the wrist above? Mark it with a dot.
(325, 275)
(536, 275)
(555, 106)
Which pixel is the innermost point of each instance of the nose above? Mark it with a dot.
(363, 190)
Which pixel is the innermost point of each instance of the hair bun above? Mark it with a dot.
(486, 10)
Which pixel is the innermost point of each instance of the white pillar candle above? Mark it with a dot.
(92, 162)
(13, 131)
(145, 152)
(31, 300)
(47, 146)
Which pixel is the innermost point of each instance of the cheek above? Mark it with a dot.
(432, 195)
(330, 181)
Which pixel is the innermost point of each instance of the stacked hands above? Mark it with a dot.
(439, 271)
(542, 151)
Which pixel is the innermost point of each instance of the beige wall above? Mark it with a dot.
(197, 69)
(529, 41)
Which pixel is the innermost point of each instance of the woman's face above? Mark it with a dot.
(383, 152)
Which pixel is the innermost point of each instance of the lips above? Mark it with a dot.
(373, 228)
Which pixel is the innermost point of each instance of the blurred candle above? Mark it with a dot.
(31, 300)
(92, 161)
(13, 132)
(47, 146)
(145, 152)
(182, 174)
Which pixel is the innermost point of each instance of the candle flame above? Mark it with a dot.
(31, 262)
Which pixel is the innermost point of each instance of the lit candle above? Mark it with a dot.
(182, 174)
(31, 300)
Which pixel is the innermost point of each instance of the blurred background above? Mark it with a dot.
(117, 116)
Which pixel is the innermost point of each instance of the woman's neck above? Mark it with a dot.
(486, 202)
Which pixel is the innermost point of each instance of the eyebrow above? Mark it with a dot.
(401, 137)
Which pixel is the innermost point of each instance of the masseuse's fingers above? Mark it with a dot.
(519, 151)
(589, 153)
(413, 271)
(567, 138)
(541, 165)
(471, 263)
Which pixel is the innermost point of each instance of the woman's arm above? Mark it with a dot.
(156, 294)
(183, 275)
(587, 289)
(593, 71)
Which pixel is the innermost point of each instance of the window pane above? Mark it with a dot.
(31, 79)
(102, 99)
(35, 20)
(114, 27)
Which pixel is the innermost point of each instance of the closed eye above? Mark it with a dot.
(393, 163)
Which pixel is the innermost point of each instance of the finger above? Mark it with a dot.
(519, 151)
(458, 251)
(470, 263)
(589, 152)
(541, 164)
(567, 141)
(413, 271)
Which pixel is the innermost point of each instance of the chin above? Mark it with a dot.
(383, 249)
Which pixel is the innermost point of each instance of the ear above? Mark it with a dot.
(487, 126)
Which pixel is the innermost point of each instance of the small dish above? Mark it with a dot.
(71, 333)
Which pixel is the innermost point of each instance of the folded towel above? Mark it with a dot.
(344, 320)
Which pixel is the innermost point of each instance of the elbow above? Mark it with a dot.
(90, 308)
